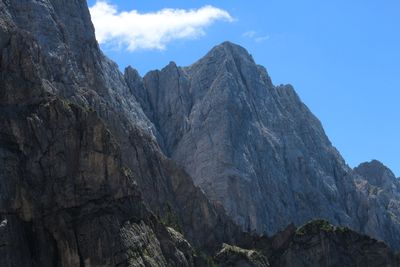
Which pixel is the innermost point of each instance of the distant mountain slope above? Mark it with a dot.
(254, 147)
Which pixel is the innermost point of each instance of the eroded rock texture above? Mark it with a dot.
(254, 147)
(379, 205)
(235, 256)
(67, 199)
(77, 151)
(319, 243)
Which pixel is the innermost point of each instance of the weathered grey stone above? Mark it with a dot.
(319, 243)
(379, 206)
(237, 257)
(76, 152)
(4, 38)
(254, 147)
(66, 197)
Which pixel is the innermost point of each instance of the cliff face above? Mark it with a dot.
(88, 156)
(380, 204)
(318, 243)
(66, 197)
(59, 56)
(254, 147)
(77, 151)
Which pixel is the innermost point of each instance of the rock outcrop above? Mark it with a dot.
(319, 243)
(59, 56)
(83, 181)
(254, 147)
(235, 256)
(379, 204)
(66, 197)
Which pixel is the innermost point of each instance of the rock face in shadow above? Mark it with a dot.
(253, 147)
(84, 182)
(319, 243)
(66, 197)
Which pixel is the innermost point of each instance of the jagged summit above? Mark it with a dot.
(376, 173)
(256, 148)
(375, 165)
(226, 57)
(228, 48)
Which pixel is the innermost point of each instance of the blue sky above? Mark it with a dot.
(342, 57)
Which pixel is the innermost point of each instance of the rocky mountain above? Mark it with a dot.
(381, 199)
(378, 175)
(316, 244)
(65, 188)
(256, 148)
(77, 151)
(97, 167)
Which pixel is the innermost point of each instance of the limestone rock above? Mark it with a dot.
(319, 243)
(58, 55)
(253, 147)
(77, 151)
(379, 206)
(238, 257)
(66, 197)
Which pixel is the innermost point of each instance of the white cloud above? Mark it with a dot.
(249, 34)
(255, 37)
(133, 30)
(261, 38)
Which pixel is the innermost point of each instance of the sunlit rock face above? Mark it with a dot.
(379, 208)
(251, 146)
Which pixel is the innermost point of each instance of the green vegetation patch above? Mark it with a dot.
(315, 225)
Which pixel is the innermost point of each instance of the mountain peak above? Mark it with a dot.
(228, 48)
(132, 71)
(375, 165)
(229, 44)
(375, 172)
(224, 58)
